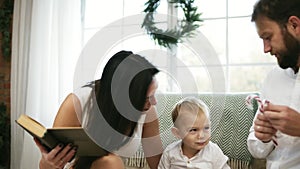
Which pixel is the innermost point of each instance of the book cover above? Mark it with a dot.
(51, 137)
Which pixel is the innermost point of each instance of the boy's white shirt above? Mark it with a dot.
(210, 157)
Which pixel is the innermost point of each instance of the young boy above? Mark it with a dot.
(194, 149)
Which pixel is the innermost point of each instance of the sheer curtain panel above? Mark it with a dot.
(45, 47)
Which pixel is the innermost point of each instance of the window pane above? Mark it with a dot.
(240, 7)
(247, 78)
(188, 57)
(133, 7)
(238, 48)
(244, 44)
(193, 79)
(166, 82)
(215, 32)
(211, 8)
(100, 13)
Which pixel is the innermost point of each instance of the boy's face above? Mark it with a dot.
(194, 130)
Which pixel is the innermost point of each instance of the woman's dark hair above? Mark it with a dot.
(121, 96)
(277, 10)
(125, 81)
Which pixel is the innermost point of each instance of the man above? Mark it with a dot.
(275, 134)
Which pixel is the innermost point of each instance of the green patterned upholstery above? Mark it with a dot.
(231, 120)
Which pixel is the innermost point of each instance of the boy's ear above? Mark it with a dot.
(175, 132)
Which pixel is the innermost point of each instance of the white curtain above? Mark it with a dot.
(45, 47)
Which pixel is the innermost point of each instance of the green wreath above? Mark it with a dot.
(169, 37)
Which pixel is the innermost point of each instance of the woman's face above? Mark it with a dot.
(150, 98)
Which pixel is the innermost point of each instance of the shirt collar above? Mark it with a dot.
(290, 72)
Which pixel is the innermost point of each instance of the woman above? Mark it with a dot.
(115, 111)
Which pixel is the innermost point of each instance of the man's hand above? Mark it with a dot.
(264, 130)
(284, 119)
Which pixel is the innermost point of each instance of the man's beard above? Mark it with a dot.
(289, 56)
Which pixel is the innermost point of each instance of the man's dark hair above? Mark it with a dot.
(276, 10)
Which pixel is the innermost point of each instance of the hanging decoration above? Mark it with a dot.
(6, 14)
(185, 28)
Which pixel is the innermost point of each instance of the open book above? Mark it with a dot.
(51, 137)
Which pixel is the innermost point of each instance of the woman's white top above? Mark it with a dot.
(86, 117)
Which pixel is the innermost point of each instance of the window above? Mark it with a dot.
(228, 56)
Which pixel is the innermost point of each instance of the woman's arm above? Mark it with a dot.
(66, 115)
(151, 140)
(61, 154)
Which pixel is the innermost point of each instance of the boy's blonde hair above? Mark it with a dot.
(191, 104)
